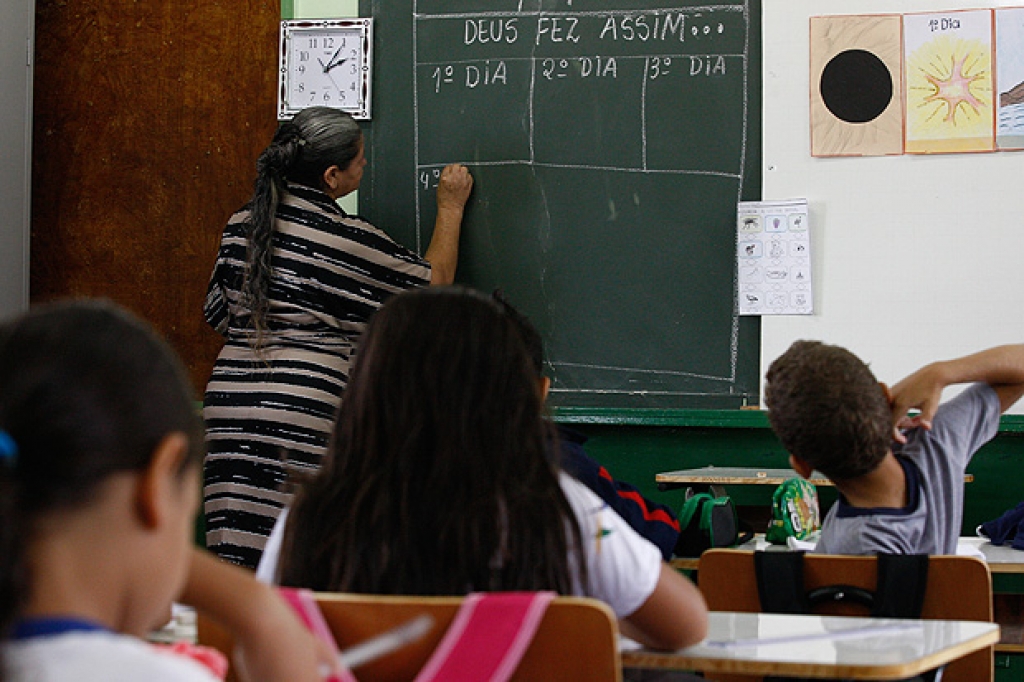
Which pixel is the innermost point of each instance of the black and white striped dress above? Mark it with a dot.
(269, 416)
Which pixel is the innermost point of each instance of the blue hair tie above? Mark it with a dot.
(8, 449)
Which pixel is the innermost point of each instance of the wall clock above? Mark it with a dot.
(325, 62)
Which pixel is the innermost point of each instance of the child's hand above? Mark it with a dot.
(280, 648)
(922, 391)
(271, 643)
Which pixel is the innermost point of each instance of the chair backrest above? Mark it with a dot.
(576, 640)
(959, 588)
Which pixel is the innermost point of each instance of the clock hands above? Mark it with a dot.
(333, 61)
(332, 64)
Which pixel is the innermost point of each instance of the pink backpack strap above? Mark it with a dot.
(488, 637)
(304, 604)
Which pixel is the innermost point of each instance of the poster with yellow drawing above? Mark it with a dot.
(949, 86)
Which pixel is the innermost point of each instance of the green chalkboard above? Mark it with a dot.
(610, 141)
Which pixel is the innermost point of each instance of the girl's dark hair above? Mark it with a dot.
(86, 391)
(437, 481)
(302, 149)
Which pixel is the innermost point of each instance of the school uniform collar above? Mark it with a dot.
(49, 626)
(913, 482)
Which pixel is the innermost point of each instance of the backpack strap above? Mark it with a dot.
(901, 584)
(780, 582)
(692, 539)
(488, 637)
(691, 506)
(902, 580)
(303, 602)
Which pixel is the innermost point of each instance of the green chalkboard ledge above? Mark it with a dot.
(751, 419)
(1011, 423)
(719, 419)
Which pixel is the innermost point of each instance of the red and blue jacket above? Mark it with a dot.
(654, 521)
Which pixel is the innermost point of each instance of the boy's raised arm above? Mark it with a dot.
(1002, 367)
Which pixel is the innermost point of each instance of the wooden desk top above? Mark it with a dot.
(822, 647)
(712, 475)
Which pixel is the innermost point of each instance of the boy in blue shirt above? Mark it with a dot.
(900, 478)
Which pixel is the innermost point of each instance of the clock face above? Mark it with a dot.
(325, 62)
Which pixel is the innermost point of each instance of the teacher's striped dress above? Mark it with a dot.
(268, 416)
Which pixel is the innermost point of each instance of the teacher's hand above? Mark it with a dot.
(454, 187)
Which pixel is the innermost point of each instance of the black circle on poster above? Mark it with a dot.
(856, 86)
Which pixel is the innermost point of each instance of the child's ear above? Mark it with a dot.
(156, 489)
(801, 466)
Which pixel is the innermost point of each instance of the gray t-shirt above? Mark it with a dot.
(934, 463)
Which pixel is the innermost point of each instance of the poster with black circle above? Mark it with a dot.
(856, 85)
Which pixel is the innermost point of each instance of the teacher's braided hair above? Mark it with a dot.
(302, 149)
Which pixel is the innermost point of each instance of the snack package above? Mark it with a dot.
(795, 512)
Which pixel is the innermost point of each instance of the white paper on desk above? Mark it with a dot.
(773, 258)
(965, 549)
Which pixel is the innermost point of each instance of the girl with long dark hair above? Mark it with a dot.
(439, 481)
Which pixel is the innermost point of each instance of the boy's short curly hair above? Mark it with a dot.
(828, 409)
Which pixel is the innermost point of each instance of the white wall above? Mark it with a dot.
(17, 18)
(915, 258)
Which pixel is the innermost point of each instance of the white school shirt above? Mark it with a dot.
(623, 567)
(97, 656)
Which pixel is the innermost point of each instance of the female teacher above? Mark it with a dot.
(295, 281)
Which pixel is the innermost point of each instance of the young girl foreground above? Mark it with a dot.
(439, 481)
(100, 454)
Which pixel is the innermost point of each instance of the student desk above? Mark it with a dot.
(822, 647)
(1003, 559)
(1007, 566)
(1000, 559)
(720, 476)
(713, 479)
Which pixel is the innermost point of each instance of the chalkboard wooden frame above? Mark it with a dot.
(625, 262)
